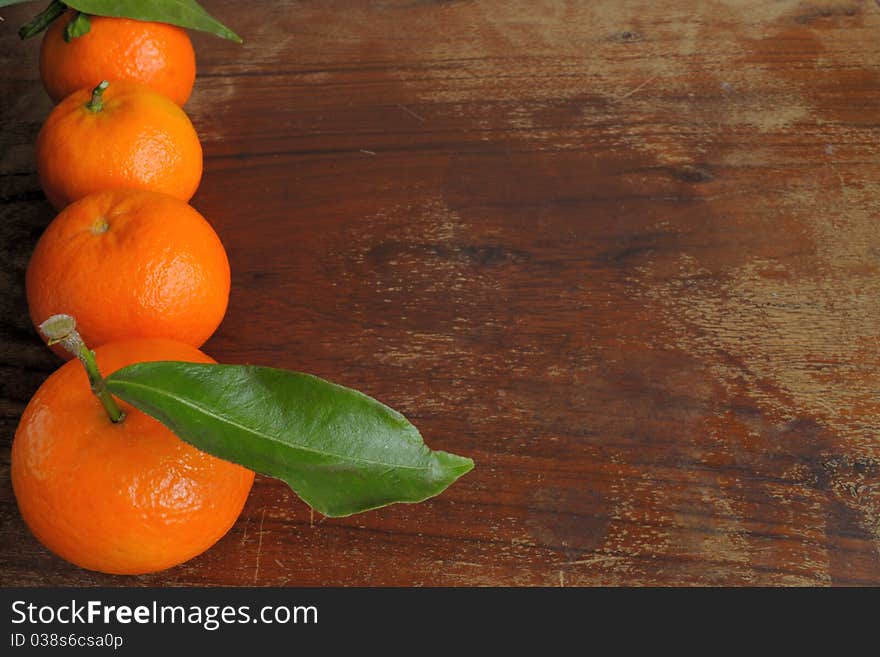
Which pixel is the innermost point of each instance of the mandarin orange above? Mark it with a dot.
(131, 263)
(123, 498)
(156, 54)
(123, 134)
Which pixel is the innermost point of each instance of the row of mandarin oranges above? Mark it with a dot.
(119, 159)
(147, 278)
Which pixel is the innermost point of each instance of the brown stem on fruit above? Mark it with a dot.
(61, 329)
(96, 104)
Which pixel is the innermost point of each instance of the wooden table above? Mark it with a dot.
(626, 255)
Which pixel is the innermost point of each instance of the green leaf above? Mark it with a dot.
(184, 13)
(78, 25)
(341, 451)
(41, 21)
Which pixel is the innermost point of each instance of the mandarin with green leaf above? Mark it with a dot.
(158, 55)
(125, 497)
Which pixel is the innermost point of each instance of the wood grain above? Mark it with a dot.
(624, 254)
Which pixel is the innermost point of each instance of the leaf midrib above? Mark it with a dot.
(223, 418)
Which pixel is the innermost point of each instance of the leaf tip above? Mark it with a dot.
(455, 465)
(231, 36)
(465, 465)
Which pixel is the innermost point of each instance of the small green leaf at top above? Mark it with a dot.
(341, 451)
(77, 27)
(183, 13)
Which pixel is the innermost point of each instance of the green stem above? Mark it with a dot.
(42, 20)
(61, 329)
(96, 104)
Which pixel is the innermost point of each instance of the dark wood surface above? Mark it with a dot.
(626, 255)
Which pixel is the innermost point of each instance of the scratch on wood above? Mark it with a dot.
(605, 558)
(411, 113)
(259, 546)
(639, 87)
